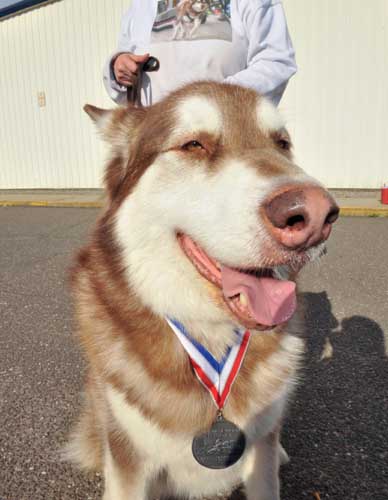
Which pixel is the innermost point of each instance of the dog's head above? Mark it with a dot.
(211, 218)
(196, 6)
(199, 6)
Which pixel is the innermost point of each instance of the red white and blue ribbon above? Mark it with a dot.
(216, 376)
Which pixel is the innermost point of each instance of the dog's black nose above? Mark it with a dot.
(301, 216)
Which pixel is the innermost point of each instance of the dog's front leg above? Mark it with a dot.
(175, 33)
(178, 30)
(262, 481)
(124, 481)
(197, 24)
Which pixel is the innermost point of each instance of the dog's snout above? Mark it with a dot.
(301, 217)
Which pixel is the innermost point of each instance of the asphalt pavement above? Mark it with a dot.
(336, 431)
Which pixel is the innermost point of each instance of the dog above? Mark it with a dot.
(207, 223)
(190, 15)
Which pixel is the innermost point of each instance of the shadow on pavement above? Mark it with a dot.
(336, 431)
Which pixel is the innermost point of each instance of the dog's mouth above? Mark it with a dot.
(259, 298)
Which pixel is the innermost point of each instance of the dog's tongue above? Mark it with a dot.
(270, 301)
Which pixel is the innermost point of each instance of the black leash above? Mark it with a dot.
(133, 92)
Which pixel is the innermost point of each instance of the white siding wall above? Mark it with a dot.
(336, 107)
(337, 104)
(60, 49)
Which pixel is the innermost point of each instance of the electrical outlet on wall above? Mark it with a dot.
(42, 99)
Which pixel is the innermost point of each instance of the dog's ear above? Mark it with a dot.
(103, 119)
(116, 126)
(96, 114)
(119, 128)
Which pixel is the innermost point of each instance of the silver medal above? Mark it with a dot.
(222, 446)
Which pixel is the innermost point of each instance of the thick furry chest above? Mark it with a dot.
(172, 452)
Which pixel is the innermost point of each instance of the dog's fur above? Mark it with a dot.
(143, 403)
(190, 15)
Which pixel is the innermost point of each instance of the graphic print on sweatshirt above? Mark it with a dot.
(182, 20)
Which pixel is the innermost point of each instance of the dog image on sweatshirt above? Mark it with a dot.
(192, 20)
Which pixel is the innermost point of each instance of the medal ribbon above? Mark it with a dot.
(216, 376)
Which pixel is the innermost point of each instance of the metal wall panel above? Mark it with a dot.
(58, 49)
(336, 106)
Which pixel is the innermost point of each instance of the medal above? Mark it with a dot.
(224, 443)
(222, 446)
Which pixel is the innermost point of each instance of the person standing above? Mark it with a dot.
(244, 42)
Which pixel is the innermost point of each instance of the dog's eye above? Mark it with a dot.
(192, 146)
(284, 144)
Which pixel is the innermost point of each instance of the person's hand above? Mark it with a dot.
(126, 67)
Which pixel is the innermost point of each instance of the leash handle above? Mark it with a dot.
(133, 92)
(151, 64)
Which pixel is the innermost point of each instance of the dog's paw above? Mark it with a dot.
(283, 456)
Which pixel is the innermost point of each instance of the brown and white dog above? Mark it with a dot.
(208, 221)
(190, 15)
